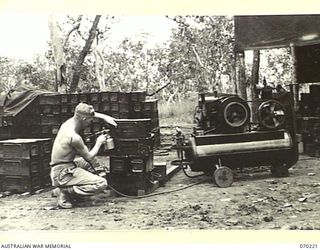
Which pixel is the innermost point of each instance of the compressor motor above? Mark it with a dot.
(221, 113)
(223, 138)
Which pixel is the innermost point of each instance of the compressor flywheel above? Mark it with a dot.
(271, 114)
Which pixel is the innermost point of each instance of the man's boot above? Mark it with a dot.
(64, 198)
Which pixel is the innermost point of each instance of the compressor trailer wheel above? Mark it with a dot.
(271, 114)
(223, 177)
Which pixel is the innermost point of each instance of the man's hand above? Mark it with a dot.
(102, 139)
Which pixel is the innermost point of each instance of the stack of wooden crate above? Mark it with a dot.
(309, 120)
(24, 164)
(44, 115)
(131, 162)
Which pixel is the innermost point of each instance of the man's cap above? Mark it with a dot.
(84, 110)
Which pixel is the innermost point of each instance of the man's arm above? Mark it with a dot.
(106, 118)
(83, 151)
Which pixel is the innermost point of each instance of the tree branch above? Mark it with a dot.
(75, 27)
(197, 56)
(157, 91)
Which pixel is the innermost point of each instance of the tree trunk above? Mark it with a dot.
(83, 54)
(295, 86)
(58, 54)
(254, 82)
(241, 81)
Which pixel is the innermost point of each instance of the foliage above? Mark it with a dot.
(275, 65)
(201, 52)
(278, 66)
(17, 74)
(198, 57)
(179, 113)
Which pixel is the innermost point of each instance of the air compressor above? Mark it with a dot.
(226, 138)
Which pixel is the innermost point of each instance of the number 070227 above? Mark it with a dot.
(308, 246)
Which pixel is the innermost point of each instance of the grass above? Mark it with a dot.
(177, 114)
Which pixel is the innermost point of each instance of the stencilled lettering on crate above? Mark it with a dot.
(19, 167)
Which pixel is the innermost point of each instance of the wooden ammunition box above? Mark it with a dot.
(114, 96)
(136, 106)
(19, 167)
(65, 109)
(45, 130)
(131, 164)
(83, 98)
(6, 133)
(64, 98)
(142, 147)
(123, 97)
(21, 184)
(74, 98)
(45, 164)
(114, 107)
(72, 108)
(152, 114)
(104, 96)
(94, 97)
(7, 121)
(50, 99)
(135, 110)
(124, 115)
(20, 148)
(105, 107)
(124, 107)
(96, 107)
(159, 172)
(46, 109)
(135, 184)
(157, 137)
(137, 96)
(55, 129)
(49, 120)
(115, 114)
(33, 131)
(56, 109)
(150, 105)
(132, 128)
(25, 148)
(45, 179)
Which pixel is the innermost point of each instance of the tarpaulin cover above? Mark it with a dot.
(276, 31)
(13, 103)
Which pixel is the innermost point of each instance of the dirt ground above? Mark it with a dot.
(255, 200)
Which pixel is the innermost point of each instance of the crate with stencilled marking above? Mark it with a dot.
(94, 97)
(25, 148)
(131, 164)
(134, 146)
(19, 148)
(21, 184)
(50, 99)
(104, 96)
(132, 128)
(20, 167)
(137, 96)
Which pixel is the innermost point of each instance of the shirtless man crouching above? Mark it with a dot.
(68, 173)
